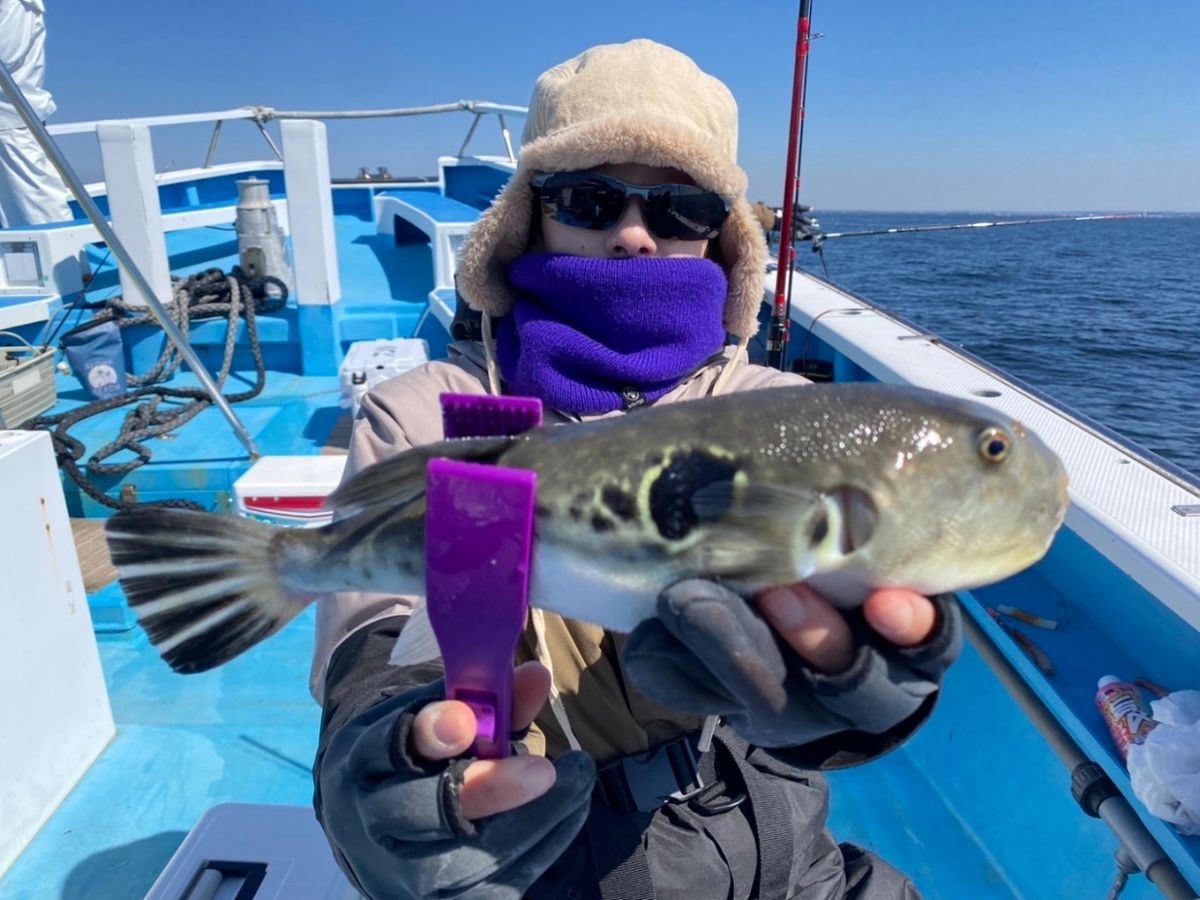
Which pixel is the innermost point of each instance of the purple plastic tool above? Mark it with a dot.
(478, 543)
(475, 415)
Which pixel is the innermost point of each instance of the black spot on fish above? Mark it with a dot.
(654, 459)
(672, 492)
(621, 502)
(541, 510)
(602, 523)
(576, 513)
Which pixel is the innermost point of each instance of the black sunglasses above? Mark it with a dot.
(682, 212)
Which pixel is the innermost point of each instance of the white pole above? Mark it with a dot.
(310, 212)
(128, 158)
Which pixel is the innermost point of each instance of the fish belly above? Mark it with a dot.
(615, 594)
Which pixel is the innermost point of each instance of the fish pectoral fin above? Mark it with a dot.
(762, 535)
(737, 500)
(400, 479)
(737, 557)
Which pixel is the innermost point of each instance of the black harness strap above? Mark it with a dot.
(628, 793)
(619, 852)
(616, 830)
(770, 816)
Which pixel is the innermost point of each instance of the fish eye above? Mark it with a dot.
(994, 444)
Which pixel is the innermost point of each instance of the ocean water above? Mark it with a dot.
(1104, 316)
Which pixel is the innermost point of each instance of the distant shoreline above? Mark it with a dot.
(993, 213)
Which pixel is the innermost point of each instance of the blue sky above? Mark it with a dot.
(946, 105)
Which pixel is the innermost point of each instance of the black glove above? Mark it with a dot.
(709, 653)
(396, 823)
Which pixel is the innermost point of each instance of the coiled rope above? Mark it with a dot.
(208, 294)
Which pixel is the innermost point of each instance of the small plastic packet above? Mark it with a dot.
(1165, 767)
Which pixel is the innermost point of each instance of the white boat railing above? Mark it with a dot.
(242, 112)
(36, 127)
(479, 108)
(1132, 506)
(261, 115)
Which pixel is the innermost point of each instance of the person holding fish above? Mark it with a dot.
(737, 579)
(609, 271)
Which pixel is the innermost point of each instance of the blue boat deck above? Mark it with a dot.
(246, 732)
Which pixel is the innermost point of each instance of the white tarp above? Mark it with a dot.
(31, 192)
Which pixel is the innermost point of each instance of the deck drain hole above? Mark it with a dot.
(986, 392)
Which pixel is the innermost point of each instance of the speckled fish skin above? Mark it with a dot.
(904, 467)
(849, 487)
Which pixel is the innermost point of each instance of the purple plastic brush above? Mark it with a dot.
(478, 543)
(477, 415)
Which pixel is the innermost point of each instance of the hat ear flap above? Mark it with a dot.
(742, 252)
(501, 234)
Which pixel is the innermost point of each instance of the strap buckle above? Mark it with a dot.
(643, 782)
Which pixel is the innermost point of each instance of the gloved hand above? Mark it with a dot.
(766, 217)
(770, 218)
(709, 653)
(391, 795)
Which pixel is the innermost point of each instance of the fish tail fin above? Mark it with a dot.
(202, 585)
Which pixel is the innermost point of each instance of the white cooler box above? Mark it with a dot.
(289, 490)
(54, 712)
(367, 363)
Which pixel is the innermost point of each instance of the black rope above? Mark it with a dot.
(206, 295)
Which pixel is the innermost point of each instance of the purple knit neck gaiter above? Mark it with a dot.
(592, 335)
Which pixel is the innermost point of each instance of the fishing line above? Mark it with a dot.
(818, 237)
(808, 333)
(77, 303)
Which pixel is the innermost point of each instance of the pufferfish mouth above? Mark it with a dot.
(860, 518)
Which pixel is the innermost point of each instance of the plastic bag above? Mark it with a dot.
(1165, 767)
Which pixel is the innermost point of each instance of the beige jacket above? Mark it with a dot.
(608, 718)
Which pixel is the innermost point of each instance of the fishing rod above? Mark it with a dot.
(818, 237)
(781, 312)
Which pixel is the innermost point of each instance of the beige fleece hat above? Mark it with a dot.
(638, 102)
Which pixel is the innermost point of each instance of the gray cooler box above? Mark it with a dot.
(247, 851)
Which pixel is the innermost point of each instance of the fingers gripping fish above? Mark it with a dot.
(849, 487)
